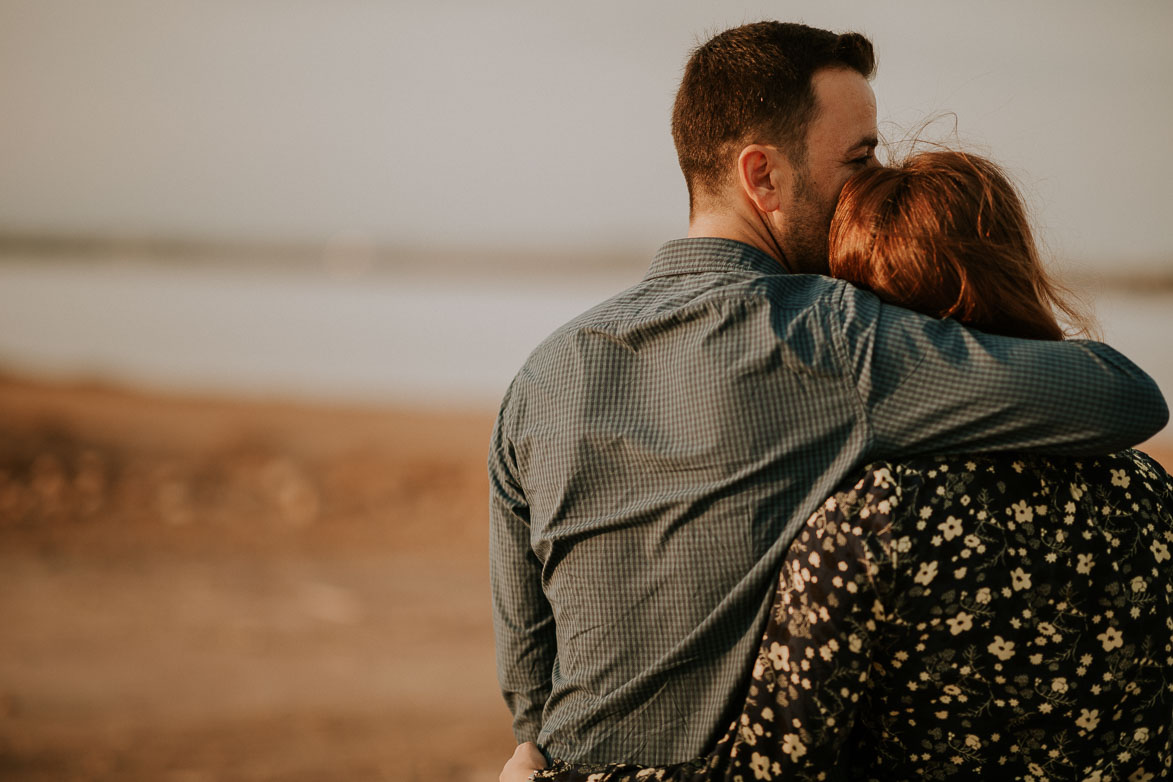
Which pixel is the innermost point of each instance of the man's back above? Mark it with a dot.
(654, 458)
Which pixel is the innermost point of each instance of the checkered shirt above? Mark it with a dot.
(654, 458)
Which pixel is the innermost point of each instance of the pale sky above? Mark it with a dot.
(533, 124)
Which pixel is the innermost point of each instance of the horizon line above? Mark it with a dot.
(358, 256)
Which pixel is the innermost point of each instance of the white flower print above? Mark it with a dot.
(1000, 648)
(761, 766)
(926, 574)
(1088, 719)
(793, 746)
(960, 623)
(950, 527)
(780, 657)
(1111, 639)
(1019, 579)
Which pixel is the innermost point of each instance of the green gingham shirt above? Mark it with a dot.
(654, 458)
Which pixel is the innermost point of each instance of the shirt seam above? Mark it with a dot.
(706, 297)
(710, 267)
(839, 345)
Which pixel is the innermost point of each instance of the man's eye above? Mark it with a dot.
(862, 161)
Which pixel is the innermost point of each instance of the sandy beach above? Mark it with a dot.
(215, 589)
(212, 590)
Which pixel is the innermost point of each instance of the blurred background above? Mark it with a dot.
(266, 269)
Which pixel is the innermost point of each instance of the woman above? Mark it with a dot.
(958, 617)
(947, 235)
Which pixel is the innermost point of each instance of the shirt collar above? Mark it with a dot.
(707, 254)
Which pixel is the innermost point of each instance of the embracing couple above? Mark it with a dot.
(751, 521)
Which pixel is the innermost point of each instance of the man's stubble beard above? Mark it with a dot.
(807, 227)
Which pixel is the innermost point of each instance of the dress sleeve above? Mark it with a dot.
(935, 386)
(814, 666)
(522, 619)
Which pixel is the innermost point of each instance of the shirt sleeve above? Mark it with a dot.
(522, 619)
(935, 386)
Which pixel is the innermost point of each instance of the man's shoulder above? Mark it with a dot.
(668, 307)
(659, 298)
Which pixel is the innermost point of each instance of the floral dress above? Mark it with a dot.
(963, 618)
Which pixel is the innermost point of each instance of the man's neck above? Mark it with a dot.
(717, 226)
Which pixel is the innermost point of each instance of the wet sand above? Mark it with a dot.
(200, 589)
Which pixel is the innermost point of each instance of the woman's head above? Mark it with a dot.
(945, 233)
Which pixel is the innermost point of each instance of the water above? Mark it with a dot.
(301, 333)
(379, 338)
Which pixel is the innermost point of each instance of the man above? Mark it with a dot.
(655, 457)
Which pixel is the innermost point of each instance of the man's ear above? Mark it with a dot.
(764, 174)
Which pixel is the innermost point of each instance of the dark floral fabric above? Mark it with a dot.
(963, 618)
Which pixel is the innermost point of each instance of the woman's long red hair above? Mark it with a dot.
(945, 233)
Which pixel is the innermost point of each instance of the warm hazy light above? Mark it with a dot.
(521, 123)
(379, 209)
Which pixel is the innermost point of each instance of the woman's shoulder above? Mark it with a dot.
(911, 505)
(1010, 471)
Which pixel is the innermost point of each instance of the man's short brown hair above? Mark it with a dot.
(752, 84)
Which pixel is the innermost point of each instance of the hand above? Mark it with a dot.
(527, 759)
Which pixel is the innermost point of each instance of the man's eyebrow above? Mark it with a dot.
(868, 141)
